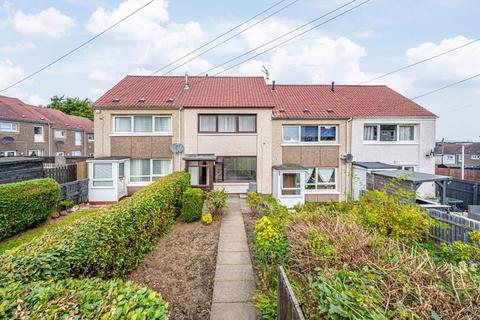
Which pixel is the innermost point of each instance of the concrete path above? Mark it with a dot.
(234, 285)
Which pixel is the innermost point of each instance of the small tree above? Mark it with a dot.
(217, 200)
(72, 106)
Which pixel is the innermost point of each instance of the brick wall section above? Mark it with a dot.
(470, 174)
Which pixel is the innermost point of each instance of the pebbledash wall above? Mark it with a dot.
(315, 154)
(258, 144)
(399, 153)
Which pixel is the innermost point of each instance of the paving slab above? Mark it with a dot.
(233, 246)
(238, 257)
(233, 291)
(233, 311)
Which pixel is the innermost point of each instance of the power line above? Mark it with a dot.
(292, 38)
(445, 87)
(220, 36)
(419, 62)
(78, 47)
(279, 37)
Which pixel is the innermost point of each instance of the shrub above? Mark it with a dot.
(217, 200)
(207, 218)
(269, 242)
(26, 204)
(108, 244)
(255, 202)
(192, 205)
(81, 299)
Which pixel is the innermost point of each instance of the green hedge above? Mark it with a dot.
(109, 244)
(26, 204)
(81, 299)
(192, 205)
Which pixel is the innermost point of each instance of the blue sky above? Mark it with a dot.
(377, 37)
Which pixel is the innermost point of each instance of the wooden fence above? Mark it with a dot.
(456, 229)
(62, 174)
(469, 173)
(287, 305)
(467, 191)
(76, 191)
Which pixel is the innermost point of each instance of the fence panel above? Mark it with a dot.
(287, 305)
(62, 174)
(467, 191)
(457, 227)
(76, 191)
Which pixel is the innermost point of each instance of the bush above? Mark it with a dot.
(255, 202)
(192, 205)
(207, 218)
(108, 244)
(270, 242)
(217, 200)
(81, 299)
(26, 204)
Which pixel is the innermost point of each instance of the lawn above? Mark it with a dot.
(44, 228)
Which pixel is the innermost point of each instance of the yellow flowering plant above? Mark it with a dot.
(207, 218)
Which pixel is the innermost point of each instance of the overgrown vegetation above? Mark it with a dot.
(192, 205)
(26, 204)
(364, 260)
(72, 106)
(217, 201)
(106, 245)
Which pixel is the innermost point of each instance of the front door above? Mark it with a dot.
(201, 173)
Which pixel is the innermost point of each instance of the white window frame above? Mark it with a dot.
(62, 136)
(5, 153)
(40, 135)
(102, 179)
(151, 175)
(147, 133)
(322, 191)
(78, 142)
(405, 167)
(91, 155)
(90, 137)
(288, 189)
(60, 153)
(397, 139)
(475, 157)
(13, 126)
(78, 153)
(300, 142)
(38, 152)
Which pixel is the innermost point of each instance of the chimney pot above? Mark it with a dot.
(333, 86)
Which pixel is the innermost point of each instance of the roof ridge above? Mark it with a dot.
(328, 85)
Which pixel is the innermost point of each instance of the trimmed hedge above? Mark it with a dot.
(106, 245)
(81, 299)
(192, 205)
(26, 204)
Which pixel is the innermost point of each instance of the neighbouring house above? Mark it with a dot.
(296, 142)
(27, 130)
(451, 154)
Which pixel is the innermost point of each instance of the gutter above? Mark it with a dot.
(347, 165)
(180, 137)
(49, 140)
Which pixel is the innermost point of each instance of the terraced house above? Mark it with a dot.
(297, 142)
(27, 130)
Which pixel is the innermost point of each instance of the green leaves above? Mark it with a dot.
(192, 205)
(26, 204)
(72, 106)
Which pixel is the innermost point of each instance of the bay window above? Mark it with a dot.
(147, 170)
(143, 124)
(389, 132)
(309, 134)
(102, 175)
(236, 169)
(321, 179)
(227, 123)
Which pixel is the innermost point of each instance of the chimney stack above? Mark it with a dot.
(186, 86)
(333, 86)
(273, 85)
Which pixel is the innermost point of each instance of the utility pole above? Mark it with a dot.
(463, 161)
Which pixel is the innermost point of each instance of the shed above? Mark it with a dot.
(360, 171)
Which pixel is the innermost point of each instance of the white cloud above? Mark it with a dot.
(48, 23)
(100, 75)
(17, 47)
(364, 34)
(36, 100)
(9, 73)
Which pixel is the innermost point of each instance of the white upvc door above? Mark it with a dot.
(38, 134)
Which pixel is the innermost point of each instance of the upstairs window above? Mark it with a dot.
(60, 133)
(91, 137)
(8, 126)
(227, 123)
(388, 132)
(309, 134)
(78, 138)
(143, 124)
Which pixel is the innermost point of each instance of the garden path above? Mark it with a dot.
(234, 285)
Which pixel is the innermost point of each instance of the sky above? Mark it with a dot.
(378, 37)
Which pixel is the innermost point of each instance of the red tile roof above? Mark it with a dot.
(227, 92)
(319, 101)
(16, 110)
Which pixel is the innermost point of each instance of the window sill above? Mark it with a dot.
(391, 142)
(321, 192)
(312, 144)
(213, 134)
(141, 135)
(9, 131)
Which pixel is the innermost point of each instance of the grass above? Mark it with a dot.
(44, 228)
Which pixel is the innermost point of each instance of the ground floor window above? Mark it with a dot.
(199, 173)
(8, 153)
(76, 153)
(408, 168)
(35, 153)
(291, 184)
(236, 169)
(321, 179)
(102, 175)
(147, 170)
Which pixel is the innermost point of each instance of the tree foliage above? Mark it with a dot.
(72, 106)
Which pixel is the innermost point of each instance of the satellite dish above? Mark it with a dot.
(349, 158)
(177, 148)
(8, 140)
